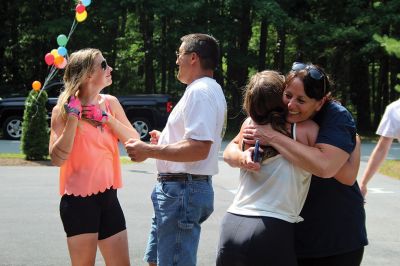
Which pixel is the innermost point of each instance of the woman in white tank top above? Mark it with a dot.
(258, 226)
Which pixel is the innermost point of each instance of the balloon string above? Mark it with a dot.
(73, 27)
(53, 69)
(50, 76)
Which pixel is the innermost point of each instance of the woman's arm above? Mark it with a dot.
(62, 134)
(322, 160)
(307, 132)
(119, 122)
(235, 157)
(347, 175)
(377, 157)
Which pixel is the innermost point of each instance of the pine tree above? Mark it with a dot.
(35, 130)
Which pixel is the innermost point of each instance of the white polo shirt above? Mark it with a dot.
(200, 114)
(390, 122)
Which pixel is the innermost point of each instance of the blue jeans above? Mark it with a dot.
(179, 209)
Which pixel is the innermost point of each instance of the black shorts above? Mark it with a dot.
(352, 258)
(256, 241)
(100, 213)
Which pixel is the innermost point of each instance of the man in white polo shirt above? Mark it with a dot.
(389, 129)
(187, 156)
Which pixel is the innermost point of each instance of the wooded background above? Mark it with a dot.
(139, 39)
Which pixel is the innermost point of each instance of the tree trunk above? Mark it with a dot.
(280, 49)
(382, 96)
(263, 44)
(146, 20)
(360, 92)
(163, 55)
(394, 70)
(237, 64)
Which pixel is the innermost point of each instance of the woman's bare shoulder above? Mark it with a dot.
(306, 132)
(110, 97)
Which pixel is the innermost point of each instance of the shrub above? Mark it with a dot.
(35, 130)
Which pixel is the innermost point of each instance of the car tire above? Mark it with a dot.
(142, 126)
(12, 128)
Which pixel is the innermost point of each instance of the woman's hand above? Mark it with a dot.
(264, 133)
(364, 190)
(242, 159)
(94, 113)
(73, 107)
(246, 160)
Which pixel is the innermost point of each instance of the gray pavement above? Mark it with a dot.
(31, 232)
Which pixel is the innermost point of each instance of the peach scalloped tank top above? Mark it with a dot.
(93, 164)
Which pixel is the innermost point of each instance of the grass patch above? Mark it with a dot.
(18, 156)
(125, 160)
(12, 155)
(369, 138)
(390, 168)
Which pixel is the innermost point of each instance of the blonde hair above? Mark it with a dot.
(80, 65)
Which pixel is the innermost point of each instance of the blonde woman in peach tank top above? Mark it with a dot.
(85, 129)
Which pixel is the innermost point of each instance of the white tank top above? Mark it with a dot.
(277, 190)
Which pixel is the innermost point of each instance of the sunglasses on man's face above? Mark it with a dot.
(104, 65)
(314, 72)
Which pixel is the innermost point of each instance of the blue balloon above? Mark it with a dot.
(62, 51)
(86, 2)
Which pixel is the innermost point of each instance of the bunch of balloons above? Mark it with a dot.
(58, 58)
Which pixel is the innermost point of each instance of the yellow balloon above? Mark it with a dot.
(54, 52)
(36, 85)
(81, 16)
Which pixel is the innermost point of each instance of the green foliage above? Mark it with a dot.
(139, 38)
(391, 45)
(35, 130)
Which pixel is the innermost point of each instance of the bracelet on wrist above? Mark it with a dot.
(74, 115)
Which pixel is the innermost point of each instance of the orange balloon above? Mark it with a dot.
(36, 85)
(62, 64)
(58, 60)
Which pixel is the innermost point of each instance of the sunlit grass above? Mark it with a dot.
(390, 168)
(12, 155)
(124, 159)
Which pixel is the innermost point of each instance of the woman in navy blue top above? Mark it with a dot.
(333, 231)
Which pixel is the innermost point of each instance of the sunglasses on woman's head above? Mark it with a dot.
(314, 72)
(104, 65)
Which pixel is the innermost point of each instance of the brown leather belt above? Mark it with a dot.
(180, 177)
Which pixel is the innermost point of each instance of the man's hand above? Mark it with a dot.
(137, 150)
(154, 136)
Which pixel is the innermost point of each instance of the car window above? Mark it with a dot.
(53, 90)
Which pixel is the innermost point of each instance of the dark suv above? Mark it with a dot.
(145, 111)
